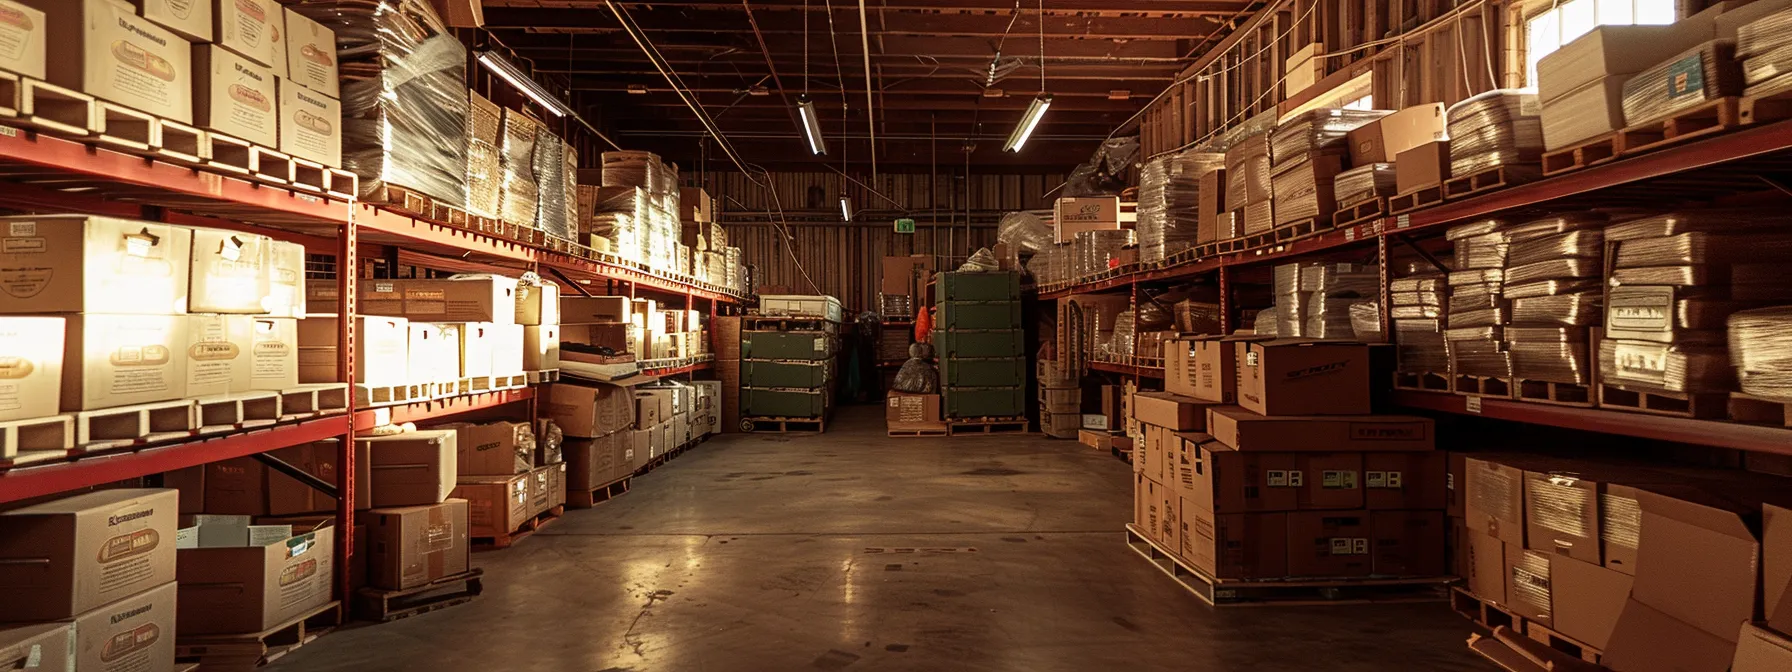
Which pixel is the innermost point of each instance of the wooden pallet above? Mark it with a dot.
(1306, 228)
(542, 377)
(312, 400)
(996, 425)
(1351, 215)
(523, 531)
(1491, 179)
(1228, 246)
(381, 605)
(137, 425)
(1517, 653)
(243, 410)
(54, 109)
(1701, 405)
(384, 395)
(1481, 386)
(1766, 108)
(253, 650)
(1491, 616)
(1551, 392)
(1421, 381)
(598, 495)
(1259, 240)
(1584, 155)
(1755, 410)
(1415, 199)
(36, 440)
(783, 425)
(1292, 592)
(899, 429)
(1717, 116)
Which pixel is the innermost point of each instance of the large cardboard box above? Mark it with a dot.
(905, 407)
(541, 347)
(496, 505)
(1090, 213)
(382, 350)
(107, 51)
(1238, 545)
(1776, 566)
(23, 35)
(73, 555)
(1761, 650)
(1414, 480)
(247, 588)
(594, 309)
(248, 27)
(1382, 140)
(500, 448)
(287, 496)
(77, 264)
(475, 347)
(229, 272)
(1423, 166)
(1494, 503)
(1528, 590)
(1297, 377)
(1331, 543)
(236, 486)
(538, 304)
(473, 298)
(1610, 50)
(1485, 566)
(286, 281)
(415, 545)
(1247, 431)
(274, 353)
(904, 276)
(412, 469)
(1586, 599)
(39, 647)
(1209, 368)
(30, 366)
(235, 96)
(593, 411)
(1212, 206)
(134, 633)
(1169, 411)
(311, 55)
(1228, 481)
(433, 352)
(1408, 543)
(507, 349)
(118, 360)
(1594, 109)
(218, 355)
(310, 125)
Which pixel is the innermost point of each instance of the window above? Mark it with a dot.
(1564, 21)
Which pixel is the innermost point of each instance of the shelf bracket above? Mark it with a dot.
(580, 288)
(296, 473)
(1777, 186)
(1407, 241)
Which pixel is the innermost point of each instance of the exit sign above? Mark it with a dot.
(905, 225)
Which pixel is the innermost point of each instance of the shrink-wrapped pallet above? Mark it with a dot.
(1247, 171)
(1665, 366)
(1315, 131)
(1761, 348)
(485, 181)
(1303, 190)
(519, 185)
(1363, 184)
(550, 175)
(1169, 202)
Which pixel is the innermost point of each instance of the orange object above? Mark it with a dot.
(923, 325)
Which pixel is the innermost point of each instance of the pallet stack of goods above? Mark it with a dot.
(512, 485)
(606, 439)
(1170, 196)
(1325, 301)
(642, 328)
(1060, 400)
(981, 346)
(420, 339)
(902, 288)
(632, 208)
(1362, 192)
(1306, 154)
(725, 338)
(132, 331)
(700, 220)
(788, 363)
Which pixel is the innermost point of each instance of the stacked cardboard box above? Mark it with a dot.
(1060, 400)
(1306, 153)
(600, 447)
(495, 463)
(980, 343)
(901, 285)
(1581, 85)
(1071, 216)
(440, 333)
(725, 337)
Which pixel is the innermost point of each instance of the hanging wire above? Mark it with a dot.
(1041, 47)
(806, 49)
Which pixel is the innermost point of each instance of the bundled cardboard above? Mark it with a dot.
(105, 50)
(74, 555)
(415, 545)
(73, 263)
(1607, 51)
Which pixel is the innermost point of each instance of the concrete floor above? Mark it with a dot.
(767, 552)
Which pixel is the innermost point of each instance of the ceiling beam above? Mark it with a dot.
(960, 86)
(904, 48)
(1026, 25)
(1052, 7)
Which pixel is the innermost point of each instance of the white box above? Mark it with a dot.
(382, 350)
(277, 45)
(274, 353)
(108, 52)
(21, 39)
(248, 27)
(427, 353)
(475, 353)
(229, 272)
(507, 349)
(78, 264)
(311, 55)
(118, 360)
(191, 19)
(286, 280)
(797, 304)
(310, 125)
(234, 96)
(30, 366)
(217, 351)
(541, 347)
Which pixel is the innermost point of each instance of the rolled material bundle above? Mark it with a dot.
(1568, 310)
(1363, 184)
(1496, 128)
(1690, 79)
(1248, 171)
(1761, 345)
(1315, 131)
(1480, 358)
(1665, 366)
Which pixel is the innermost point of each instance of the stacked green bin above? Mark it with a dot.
(787, 374)
(980, 343)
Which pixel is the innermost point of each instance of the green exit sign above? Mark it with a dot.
(905, 225)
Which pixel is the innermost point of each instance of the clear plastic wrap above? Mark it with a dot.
(1169, 202)
(1106, 172)
(550, 173)
(1028, 232)
(404, 96)
(520, 186)
(631, 169)
(1122, 344)
(1314, 131)
(1268, 323)
(1101, 250)
(1363, 184)
(1496, 128)
(485, 127)
(1247, 171)
(1666, 367)
(1702, 248)
(1761, 348)
(1690, 79)
(1365, 321)
(1768, 33)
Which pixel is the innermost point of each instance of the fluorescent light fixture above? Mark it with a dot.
(1035, 112)
(805, 108)
(522, 82)
(846, 208)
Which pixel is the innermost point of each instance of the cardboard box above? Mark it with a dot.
(236, 486)
(76, 264)
(1610, 50)
(1776, 565)
(23, 33)
(1494, 503)
(1229, 481)
(1330, 544)
(541, 496)
(541, 348)
(1247, 431)
(286, 496)
(1382, 140)
(30, 366)
(412, 469)
(1648, 640)
(191, 484)
(588, 412)
(286, 280)
(274, 353)
(500, 448)
(1697, 560)
(1296, 377)
(415, 545)
(1760, 649)
(904, 276)
(311, 55)
(427, 358)
(1212, 206)
(1408, 543)
(1236, 546)
(538, 304)
(595, 309)
(1486, 565)
(1528, 589)
(278, 47)
(1169, 411)
(74, 555)
(251, 588)
(382, 350)
(497, 505)
(1594, 109)
(134, 633)
(474, 349)
(248, 27)
(229, 272)
(1414, 480)
(118, 360)
(1455, 485)
(217, 350)
(105, 50)
(507, 343)
(1586, 599)
(1091, 213)
(1101, 440)
(310, 124)
(234, 95)
(907, 407)
(472, 298)
(1426, 165)
(41, 647)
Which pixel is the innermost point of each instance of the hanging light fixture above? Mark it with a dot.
(521, 81)
(1041, 103)
(805, 108)
(846, 208)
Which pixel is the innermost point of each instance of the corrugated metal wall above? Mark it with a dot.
(902, 191)
(844, 260)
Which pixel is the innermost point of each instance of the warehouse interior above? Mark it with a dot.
(895, 335)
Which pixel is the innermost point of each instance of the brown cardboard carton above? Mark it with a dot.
(1329, 480)
(248, 27)
(382, 297)
(415, 545)
(590, 463)
(1247, 431)
(382, 350)
(541, 348)
(905, 407)
(1239, 545)
(250, 588)
(1212, 206)
(1099, 439)
(41, 647)
(76, 264)
(1486, 566)
(411, 469)
(1382, 140)
(1647, 640)
(493, 449)
(31, 369)
(310, 125)
(23, 32)
(1230, 481)
(1404, 481)
(1561, 505)
(236, 487)
(1455, 486)
(1776, 566)
(107, 51)
(1330, 543)
(235, 96)
(287, 496)
(496, 505)
(218, 352)
(541, 496)
(1074, 215)
(1610, 50)
(1698, 558)
(72, 555)
(118, 360)
(1215, 374)
(286, 281)
(1761, 650)
(134, 633)
(1586, 599)
(311, 55)
(538, 304)
(594, 309)
(1528, 585)
(1408, 543)
(1494, 504)
(904, 276)
(612, 335)
(1169, 519)
(1169, 411)
(1296, 377)
(472, 298)
(191, 484)
(1423, 166)
(1153, 496)
(1620, 525)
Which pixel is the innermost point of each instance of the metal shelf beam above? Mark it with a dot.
(1755, 438)
(438, 409)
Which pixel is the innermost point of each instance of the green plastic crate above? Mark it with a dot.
(782, 403)
(959, 286)
(757, 373)
(984, 372)
(980, 315)
(985, 402)
(784, 345)
(980, 343)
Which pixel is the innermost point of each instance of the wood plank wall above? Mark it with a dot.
(844, 260)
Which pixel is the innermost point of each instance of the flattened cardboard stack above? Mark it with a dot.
(1496, 129)
(1170, 194)
(1416, 314)
(1477, 312)
(1551, 288)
